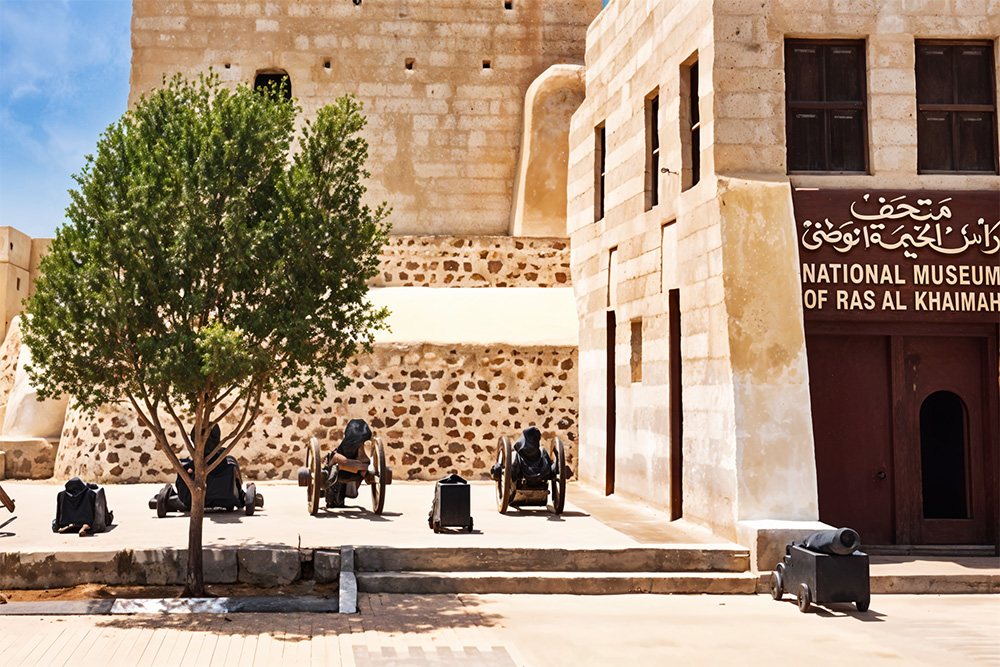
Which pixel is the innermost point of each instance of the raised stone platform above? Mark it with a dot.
(600, 545)
(524, 551)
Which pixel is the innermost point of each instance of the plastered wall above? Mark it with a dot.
(442, 83)
(728, 242)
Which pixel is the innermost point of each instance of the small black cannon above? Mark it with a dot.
(451, 505)
(524, 471)
(825, 567)
(359, 459)
(224, 490)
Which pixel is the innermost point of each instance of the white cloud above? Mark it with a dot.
(63, 78)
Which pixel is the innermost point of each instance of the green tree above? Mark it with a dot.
(207, 264)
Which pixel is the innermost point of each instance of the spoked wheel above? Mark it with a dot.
(559, 481)
(504, 458)
(383, 475)
(250, 498)
(315, 488)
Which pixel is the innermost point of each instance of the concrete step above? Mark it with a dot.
(575, 583)
(680, 558)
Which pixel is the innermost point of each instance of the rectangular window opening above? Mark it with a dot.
(600, 169)
(635, 360)
(826, 113)
(508, 4)
(486, 64)
(690, 124)
(956, 107)
(652, 150)
(409, 63)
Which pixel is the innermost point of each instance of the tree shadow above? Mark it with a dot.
(380, 612)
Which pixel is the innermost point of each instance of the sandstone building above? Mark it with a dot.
(784, 219)
(779, 299)
(468, 106)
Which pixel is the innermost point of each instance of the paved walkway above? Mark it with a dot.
(530, 630)
(589, 520)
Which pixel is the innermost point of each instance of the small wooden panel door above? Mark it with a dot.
(849, 384)
(943, 438)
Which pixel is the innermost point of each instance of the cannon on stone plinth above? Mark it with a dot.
(827, 566)
(525, 472)
(359, 459)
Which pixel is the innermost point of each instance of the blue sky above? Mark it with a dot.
(64, 69)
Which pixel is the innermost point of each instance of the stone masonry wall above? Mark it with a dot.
(473, 261)
(442, 82)
(438, 409)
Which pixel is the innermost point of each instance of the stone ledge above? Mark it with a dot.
(561, 583)
(28, 458)
(767, 539)
(260, 565)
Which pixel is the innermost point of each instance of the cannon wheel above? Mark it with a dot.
(504, 453)
(559, 481)
(804, 597)
(381, 475)
(250, 499)
(6, 501)
(777, 585)
(315, 488)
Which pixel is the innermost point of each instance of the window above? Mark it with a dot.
(690, 125)
(826, 122)
(600, 168)
(956, 107)
(652, 150)
(274, 83)
(635, 361)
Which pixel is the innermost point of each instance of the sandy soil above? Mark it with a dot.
(100, 592)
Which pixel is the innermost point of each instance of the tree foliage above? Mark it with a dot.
(213, 256)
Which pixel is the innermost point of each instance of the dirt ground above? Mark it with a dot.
(101, 592)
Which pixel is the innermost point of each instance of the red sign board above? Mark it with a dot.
(878, 256)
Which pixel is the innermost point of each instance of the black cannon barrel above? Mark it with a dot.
(841, 542)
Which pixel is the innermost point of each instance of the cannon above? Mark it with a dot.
(825, 567)
(451, 505)
(360, 458)
(524, 473)
(224, 490)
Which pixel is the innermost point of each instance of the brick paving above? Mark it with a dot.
(529, 630)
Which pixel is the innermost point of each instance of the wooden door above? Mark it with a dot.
(849, 385)
(611, 409)
(943, 439)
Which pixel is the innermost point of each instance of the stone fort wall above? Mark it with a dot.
(443, 83)
(438, 409)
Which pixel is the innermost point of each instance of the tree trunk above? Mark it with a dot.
(194, 580)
